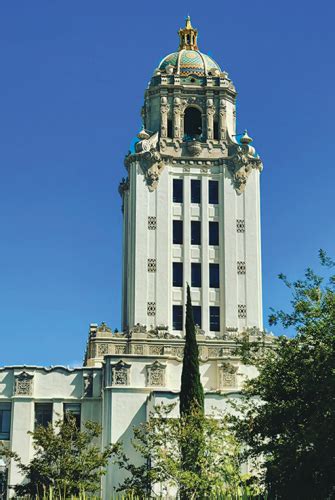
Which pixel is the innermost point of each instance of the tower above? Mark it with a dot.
(191, 203)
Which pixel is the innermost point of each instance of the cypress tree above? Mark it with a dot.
(191, 392)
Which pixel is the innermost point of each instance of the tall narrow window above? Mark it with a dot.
(213, 233)
(216, 130)
(178, 232)
(177, 319)
(43, 414)
(169, 129)
(177, 273)
(214, 276)
(195, 232)
(214, 318)
(5, 417)
(178, 190)
(192, 123)
(74, 410)
(196, 274)
(197, 315)
(213, 192)
(195, 191)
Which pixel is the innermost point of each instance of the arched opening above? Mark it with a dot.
(169, 129)
(216, 130)
(192, 123)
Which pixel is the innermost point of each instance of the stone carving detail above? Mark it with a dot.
(194, 148)
(150, 157)
(120, 349)
(241, 267)
(240, 225)
(151, 308)
(156, 374)
(241, 161)
(164, 113)
(214, 352)
(120, 373)
(177, 351)
(242, 311)
(88, 385)
(151, 265)
(102, 349)
(138, 329)
(103, 328)
(138, 349)
(157, 350)
(23, 384)
(161, 332)
(227, 375)
(152, 223)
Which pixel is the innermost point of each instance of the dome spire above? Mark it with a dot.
(188, 36)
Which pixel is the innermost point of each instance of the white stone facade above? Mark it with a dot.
(189, 127)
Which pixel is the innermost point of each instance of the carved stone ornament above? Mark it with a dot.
(138, 329)
(120, 373)
(156, 374)
(103, 328)
(227, 375)
(194, 148)
(23, 384)
(151, 161)
(240, 164)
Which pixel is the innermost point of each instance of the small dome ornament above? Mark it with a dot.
(245, 139)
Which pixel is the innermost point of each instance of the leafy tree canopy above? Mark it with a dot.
(160, 442)
(66, 461)
(289, 411)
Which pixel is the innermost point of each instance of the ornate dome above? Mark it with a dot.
(189, 62)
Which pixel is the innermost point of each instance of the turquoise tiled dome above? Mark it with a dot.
(189, 62)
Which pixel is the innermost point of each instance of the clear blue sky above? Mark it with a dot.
(73, 75)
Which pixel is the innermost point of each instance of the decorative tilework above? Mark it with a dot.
(191, 62)
(240, 225)
(152, 223)
(241, 267)
(151, 265)
(151, 308)
(242, 310)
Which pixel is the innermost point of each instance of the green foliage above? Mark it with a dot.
(66, 461)
(191, 393)
(293, 427)
(160, 442)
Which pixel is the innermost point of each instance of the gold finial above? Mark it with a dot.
(188, 36)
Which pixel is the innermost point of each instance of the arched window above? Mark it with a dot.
(169, 129)
(192, 123)
(216, 130)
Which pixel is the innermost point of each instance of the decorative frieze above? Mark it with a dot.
(152, 223)
(120, 349)
(152, 265)
(151, 308)
(102, 349)
(157, 350)
(241, 267)
(242, 311)
(138, 349)
(240, 225)
(23, 385)
(156, 374)
(120, 373)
